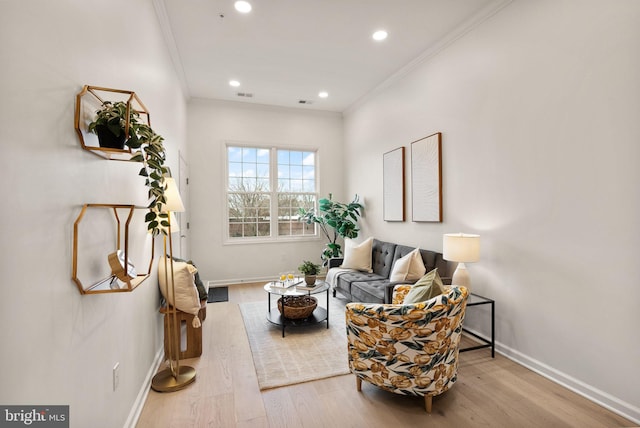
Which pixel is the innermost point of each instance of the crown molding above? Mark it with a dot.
(172, 47)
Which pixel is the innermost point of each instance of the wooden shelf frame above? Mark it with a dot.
(105, 285)
(88, 101)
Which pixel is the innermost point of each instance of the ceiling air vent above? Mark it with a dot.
(305, 102)
(245, 94)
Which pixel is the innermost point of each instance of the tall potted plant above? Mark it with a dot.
(340, 217)
(147, 147)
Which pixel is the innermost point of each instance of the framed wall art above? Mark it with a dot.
(393, 185)
(426, 178)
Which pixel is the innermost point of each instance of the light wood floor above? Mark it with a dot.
(489, 392)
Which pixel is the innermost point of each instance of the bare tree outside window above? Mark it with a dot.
(249, 212)
(251, 200)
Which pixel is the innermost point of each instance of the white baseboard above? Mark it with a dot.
(604, 399)
(136, 410)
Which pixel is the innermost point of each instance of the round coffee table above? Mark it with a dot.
(320, 314)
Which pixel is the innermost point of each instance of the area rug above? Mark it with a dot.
(218, 294)
(305, 353)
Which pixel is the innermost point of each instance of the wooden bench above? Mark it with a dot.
(193, 335)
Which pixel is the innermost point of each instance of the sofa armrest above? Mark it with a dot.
(335, 262)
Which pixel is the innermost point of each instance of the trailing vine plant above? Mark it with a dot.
(147, 147)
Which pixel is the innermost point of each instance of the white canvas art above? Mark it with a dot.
(426, 179)
(393, 185)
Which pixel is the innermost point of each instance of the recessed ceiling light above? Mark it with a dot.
(234, 83)
(243, 6)
(379, 35)
(323, 94)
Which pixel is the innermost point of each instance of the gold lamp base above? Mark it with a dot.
(165, 382)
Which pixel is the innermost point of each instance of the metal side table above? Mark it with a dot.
(476, 300)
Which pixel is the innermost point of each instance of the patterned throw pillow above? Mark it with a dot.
(428, 287)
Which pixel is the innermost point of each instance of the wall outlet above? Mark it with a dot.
(116, 376)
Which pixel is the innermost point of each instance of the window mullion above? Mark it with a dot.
(273, 180)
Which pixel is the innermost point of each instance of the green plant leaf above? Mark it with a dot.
(133, 141)
(154, 163)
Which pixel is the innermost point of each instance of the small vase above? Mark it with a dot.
(310, 279)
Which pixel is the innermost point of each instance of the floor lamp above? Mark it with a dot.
(175, 376)
(462, 248)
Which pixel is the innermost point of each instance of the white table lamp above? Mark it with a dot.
(462, 248)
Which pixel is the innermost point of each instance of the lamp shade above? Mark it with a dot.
(461, 247)
(174, 201)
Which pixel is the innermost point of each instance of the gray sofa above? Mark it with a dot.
(375, 287)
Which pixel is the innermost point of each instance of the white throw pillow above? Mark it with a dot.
(357, 256)
(401, 268)
(417, 269)
(408, 268)
(187, 298)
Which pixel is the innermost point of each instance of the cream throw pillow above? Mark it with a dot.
(187, 297)
(417, 269)
(357, 256)
(408, 268)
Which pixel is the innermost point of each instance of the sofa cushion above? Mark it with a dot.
(346, 279)
(357, 256)
(369, 292)
(433, 260)
(382, 257)
(428, 287)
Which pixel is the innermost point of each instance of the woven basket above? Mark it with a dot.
(298, 307)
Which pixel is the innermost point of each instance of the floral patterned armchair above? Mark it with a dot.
(409, 349)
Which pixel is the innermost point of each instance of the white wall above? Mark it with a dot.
(539, 109)
(213, 123)
(59, 347)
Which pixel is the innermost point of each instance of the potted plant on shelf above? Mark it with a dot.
(342, 218)
(146, 146)
(110, 124)
(310, 270)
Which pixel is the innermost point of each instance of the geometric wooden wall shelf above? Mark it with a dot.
(88, 101)
(94, 244)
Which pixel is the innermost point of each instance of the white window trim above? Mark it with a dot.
(273, 178)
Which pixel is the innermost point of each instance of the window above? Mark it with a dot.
(265, 190)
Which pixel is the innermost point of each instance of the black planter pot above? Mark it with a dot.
(107, 139)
